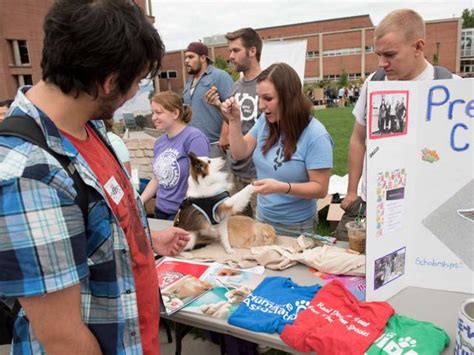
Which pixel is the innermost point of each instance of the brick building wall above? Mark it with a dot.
(316, 27)
(140, 146)
(344, 33)
(23, 20)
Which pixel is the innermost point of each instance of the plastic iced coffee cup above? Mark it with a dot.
(356, 234)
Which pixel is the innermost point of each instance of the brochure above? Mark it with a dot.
(230, 287)
(179, 282)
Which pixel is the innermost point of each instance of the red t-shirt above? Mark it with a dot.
(121, 199)
(337, 323)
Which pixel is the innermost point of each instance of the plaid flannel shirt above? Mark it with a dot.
(44, 246)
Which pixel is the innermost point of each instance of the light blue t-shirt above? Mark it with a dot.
(313, 151)
(119, 146)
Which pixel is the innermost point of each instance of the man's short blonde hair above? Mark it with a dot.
(404, 21)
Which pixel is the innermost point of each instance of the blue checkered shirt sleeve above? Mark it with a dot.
(42, 236)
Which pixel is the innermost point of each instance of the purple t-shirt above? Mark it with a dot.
(171, 165)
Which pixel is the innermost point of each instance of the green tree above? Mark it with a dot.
(221, 63)
(140, 120)
(468, 18)
(343, 79)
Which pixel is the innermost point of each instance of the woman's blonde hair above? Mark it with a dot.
(171, 101)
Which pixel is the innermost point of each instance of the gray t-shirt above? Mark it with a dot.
(245, 92)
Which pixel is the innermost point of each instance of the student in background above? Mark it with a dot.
(202, 77)
(119, 145)
(399, 42)
(170, 154)
(245, 50)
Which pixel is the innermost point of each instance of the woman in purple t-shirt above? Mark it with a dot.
(170, 154)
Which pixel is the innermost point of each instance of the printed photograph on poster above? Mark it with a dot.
(390, 205)
(388, 114)
(389, 267)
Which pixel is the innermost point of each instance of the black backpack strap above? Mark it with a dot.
(379, 75)
(26, 128)
(439, 73)
(442, 73)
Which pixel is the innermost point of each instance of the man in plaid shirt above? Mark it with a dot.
(86, 285)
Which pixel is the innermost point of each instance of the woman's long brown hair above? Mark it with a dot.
(294, 108)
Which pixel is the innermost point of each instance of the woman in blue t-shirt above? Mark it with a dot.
(292, 151)
(170, 154)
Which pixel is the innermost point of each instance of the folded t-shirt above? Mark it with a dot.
(408, 336)
(337, 323)
(272, 305)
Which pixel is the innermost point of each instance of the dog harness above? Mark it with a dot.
(207, 206)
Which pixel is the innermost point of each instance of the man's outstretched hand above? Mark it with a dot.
(169, 242)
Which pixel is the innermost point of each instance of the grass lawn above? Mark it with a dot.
(339, 123)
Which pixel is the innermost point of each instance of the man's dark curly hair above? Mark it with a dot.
(87, 40)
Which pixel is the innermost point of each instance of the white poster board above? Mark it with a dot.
(291, 52)
(420, 186)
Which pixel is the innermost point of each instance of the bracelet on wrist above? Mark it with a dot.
(289, 188)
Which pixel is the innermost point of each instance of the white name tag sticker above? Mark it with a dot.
(114, 190)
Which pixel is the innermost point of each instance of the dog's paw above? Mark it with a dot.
(250, 188)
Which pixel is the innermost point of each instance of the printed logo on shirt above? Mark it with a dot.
(248, 106)
(114, 190)
(287, 311)
(279, 157)
(390, 345)
(301, 305)
(166, 168)
(353, 324)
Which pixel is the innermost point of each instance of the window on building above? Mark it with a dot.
(467, 66)
(24, 56)
(341, 51)
(28, 79)
(369, 49)
(467, 43)
(312, 54)
(353, 76)
(22, 80)
(331, 77)
(19, 49)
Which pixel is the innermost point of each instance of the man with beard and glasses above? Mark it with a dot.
(83, 272)
(204, 77)
(245, 50)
